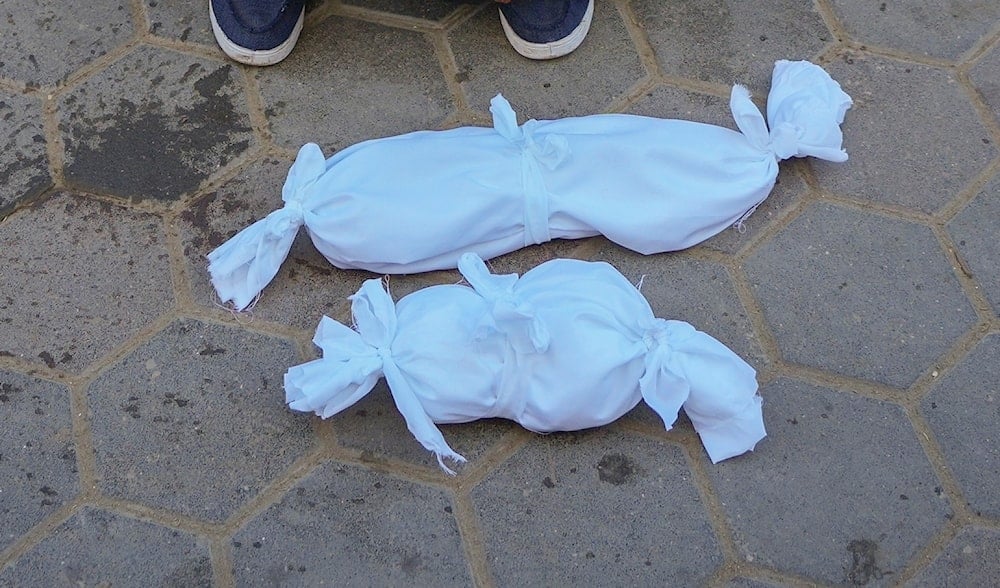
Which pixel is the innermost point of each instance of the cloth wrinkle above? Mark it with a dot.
(784, 140)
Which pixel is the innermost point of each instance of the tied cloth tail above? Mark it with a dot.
(241, 267)
(716, 387)
(805, 108)
(352, 363)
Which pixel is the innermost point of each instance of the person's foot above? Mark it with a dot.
(257, 32)
(546, 29)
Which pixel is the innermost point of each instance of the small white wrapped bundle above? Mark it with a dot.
(416, 202)
(568, 346)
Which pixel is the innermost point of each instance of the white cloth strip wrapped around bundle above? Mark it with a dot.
(415, 202)
(570, 345)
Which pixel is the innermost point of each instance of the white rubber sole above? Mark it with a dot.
(563, 46)
(249, 56)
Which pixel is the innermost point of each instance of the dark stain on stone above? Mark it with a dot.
(48, 359)
(616, 468)
(321, 270)
(411, 564)
(548, 483)
(171, 398)
(132, 407)
(864, 562)
(153, 151)
(7, 390)
(48, 491)
(197, 215)
(211, 351)
(191, 573)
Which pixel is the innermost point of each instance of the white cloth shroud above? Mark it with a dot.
(416, 202)
(569, 345)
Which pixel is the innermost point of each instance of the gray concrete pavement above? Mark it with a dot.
(145, 441)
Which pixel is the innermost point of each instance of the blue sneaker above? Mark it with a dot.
(257, 32)
(546, 29)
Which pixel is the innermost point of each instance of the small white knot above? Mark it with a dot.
(287, 218)
(551, 151)
(384, 353)
(295, 205)
(662, 332)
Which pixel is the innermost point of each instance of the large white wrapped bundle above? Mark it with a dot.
(415, 202)
(570, 345)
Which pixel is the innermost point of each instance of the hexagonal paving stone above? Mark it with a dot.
(669, 102)
(698, 292)
(903, 104)
(350, 80)
(727, 41)
(86, 30)
(583, 82)
(24, 163)
(859, 294)
(984, 77)
(188, 22)
(347, 526)
(154, 124)
(194, 420)
(974, 232)
(971, 559)
(840, 490)
(602, 504)
(375, 426)
(37, 453)
(963, 410)
(425, 9)
(99, 548)
(307, 286)
(57, 305)
(922, 27)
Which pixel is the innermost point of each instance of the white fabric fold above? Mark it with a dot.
(416, 202)
(570, 345)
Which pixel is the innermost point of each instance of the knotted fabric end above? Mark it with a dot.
(242, 266)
